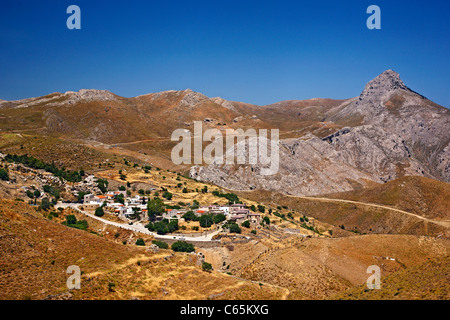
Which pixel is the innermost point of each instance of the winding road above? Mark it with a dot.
(137, 227)
(444, 223)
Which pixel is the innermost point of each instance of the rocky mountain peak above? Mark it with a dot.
(90, 95)
(389, 80)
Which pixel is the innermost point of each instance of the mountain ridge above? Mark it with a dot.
(327, 145)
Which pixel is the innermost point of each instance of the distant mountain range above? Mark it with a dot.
(326, 145)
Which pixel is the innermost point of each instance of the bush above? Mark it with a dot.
(233, 227)
(254, 231)
(155, 207)
(182, 246)
(206, 220)
(231, 197)
(206, 266)
(218, 218)
(102, 184)
(45, 204)
(4, 175)
(246, 224)
(71, 221)
(161, 244)
(167, 195)
(99, 212)
(140, 242)
(163, 227)
(189, 216)
(39, 164)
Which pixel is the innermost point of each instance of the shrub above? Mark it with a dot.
(218, 218)
(233, 227)
(4, 175)
(140, 242)
(161, 244)
(246, 224)
(189, 216)
(206, 220)
(166, 194)
(206, 266)
(102, 184)
(45, 204)
(182, 246)
(71, 221)
(99, 212)
(155, 207)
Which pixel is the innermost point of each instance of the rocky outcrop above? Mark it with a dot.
(402, 133)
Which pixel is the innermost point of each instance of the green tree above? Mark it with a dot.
(102, 184)
(99, 212)
(182, 246)
(195, 204)
(218, 218)
(155, 207)
(161, 244)
(206, 266)
(81, 195)
(246, 224)
(206, 220)
(167, 195)
(189, 216)
(71, 219)
(140, 242)
(4, 175)
(234, 228)
(45, 204)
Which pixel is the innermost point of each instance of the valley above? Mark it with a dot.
(362, 181)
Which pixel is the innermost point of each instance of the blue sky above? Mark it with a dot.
(259, 52)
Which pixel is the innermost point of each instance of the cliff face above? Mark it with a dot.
(398, 133)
